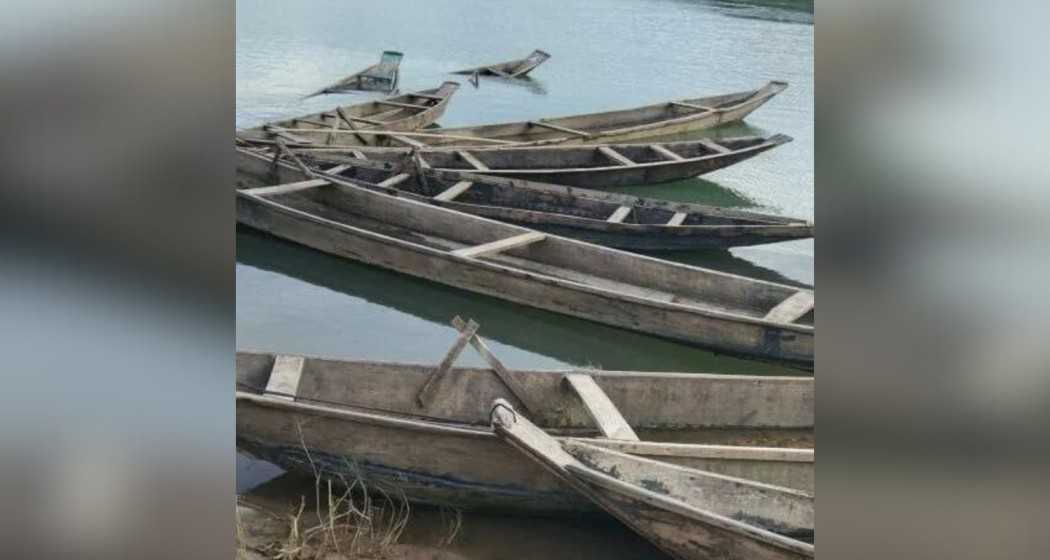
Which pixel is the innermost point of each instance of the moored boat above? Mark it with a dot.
(402, 113)
(615, 220)
(518, 68)
(720, 311)
(382, 76)
(405, 429)
(689, 513)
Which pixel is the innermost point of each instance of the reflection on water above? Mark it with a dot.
(530, 84)
(783, 11)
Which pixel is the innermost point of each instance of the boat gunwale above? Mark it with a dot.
(536, 276)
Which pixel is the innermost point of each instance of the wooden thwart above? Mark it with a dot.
(611, 423)
(395, 180)
(358, 154)
(692, 106)
(665, 152)
(453, 191)
(473, 161)
(488, 249)
(284, 377)
(678, 219)
(560, 128)
(289, 187)
(408, 141)
(718, 148)
(619, 215)
(793, 308)
(615, 156)
(402, 105)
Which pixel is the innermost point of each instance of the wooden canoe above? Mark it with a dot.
(382, 76)
(511, 69)
(592, 166)
(407, 112)
(358, 419)
(689, 513)
(588, 215)
(660, 119)
(723, 312)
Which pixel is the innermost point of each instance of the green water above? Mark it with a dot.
(605, 55)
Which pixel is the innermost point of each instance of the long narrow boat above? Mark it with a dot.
(382, 76)
(691, 514)
(615, 220)
(407, 112)
(716, 310)
(591, 166)
(660, 119)
(512, 69)
(356, 419)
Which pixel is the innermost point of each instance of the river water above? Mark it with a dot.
(605, 55)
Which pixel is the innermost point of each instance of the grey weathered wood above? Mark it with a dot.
(402, 105)
(453, 191)
(366, 121)
(516, 387)
(498, 246)
(289, 187)
(792, 308)
(283, 149)
(506, 420)
(615, 156)
(473, 161)
(359, 154)
(285, 376)
(407, 140)
(692, 106)
(280, 133)
(677, 219)
(718, 148)
(602, 410)
(335, 170)
(560, 128)
(395, 180)
(665, 152)
(619, 215)
(425, 394)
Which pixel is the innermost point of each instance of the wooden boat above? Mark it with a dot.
(720, 311)
(379, 422)
(591, 166)
(615, 220)
(406, 112)
(689, 513)
(512, 69)
(660, 119)
(382, 76)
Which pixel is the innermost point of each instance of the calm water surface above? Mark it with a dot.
(605, 55)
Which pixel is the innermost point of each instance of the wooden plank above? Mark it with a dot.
(358, 154)
(619, 215)
(793, 308)
(602, 410)
(454, 191)
(426, 392)
(408, 141)
(368, 121)
(402, 105)
(525, 435)
(509, 380)
(469, 158)
(321, 124)
(498, 246)
(277, 131)
(560, 128)
(615, 156)
(692, 106)
(284, 377)
(337, 169)
(350, 123)
(678, 219)
(395, 180)
(288, 187)
(665, 152)
(718, 148)
(427, 96)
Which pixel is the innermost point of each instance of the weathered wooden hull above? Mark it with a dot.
(721, 333)
(432, 462)
(512, 69)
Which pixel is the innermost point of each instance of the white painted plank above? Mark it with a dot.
(395, 180)
(454, 191)
(792, 308)
(601, 409)
(619, 215)
(500, 245)
(284, 377)
(678, 219)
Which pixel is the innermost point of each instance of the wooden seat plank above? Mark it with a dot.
(611, 423)
(793, 308)
(453, 191)
(288, 187)
(475, 162)
(358, 154)
(615, 156)
(619, 215)
(498, 246)
(712, 145)
(395, 180)
(678, 219)
(560, 128)
(665, 152)
(284, 377)
(402, 105)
